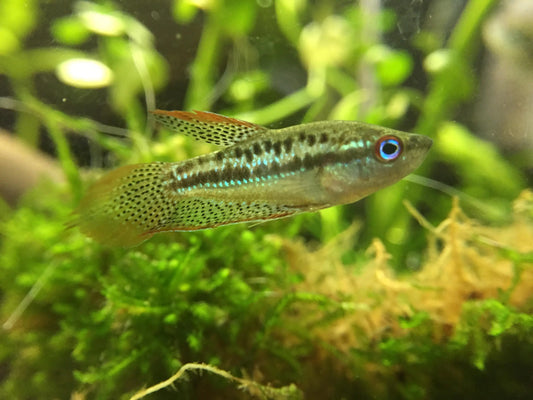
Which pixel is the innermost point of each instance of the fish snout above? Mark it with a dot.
(419, 142)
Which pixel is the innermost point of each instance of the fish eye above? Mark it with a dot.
(388, 148)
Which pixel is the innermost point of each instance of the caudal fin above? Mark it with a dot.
(126, 205)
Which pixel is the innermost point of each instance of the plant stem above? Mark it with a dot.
(203, 67)
(462, 44)
(280, 109)
(385, 208)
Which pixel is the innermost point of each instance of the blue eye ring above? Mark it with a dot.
(388, 148)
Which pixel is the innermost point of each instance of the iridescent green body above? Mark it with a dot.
(262, 174)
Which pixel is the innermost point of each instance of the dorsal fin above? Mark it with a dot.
(208, 127)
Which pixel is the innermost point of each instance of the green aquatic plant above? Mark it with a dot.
(124, 47)
(109, 322)
(102, 309)
(344, 70)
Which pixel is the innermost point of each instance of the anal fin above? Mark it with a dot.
(196, 213)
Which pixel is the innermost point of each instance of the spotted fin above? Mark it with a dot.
(208, 127)
(124, 204)
(194, 213)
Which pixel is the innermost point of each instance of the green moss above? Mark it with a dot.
(127, 316)
(108, 322)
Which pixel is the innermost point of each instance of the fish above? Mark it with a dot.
(258, 174)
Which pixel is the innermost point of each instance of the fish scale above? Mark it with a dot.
(261, 174)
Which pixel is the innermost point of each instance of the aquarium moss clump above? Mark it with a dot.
(465, 262)
(275, 316)
(467, 311)
(106, 321)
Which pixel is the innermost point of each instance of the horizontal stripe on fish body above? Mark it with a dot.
(258, 159)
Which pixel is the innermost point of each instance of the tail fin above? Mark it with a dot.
(124, 207)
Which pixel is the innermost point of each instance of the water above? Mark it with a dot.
(379, 299)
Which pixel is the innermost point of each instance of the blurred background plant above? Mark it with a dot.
(77, 80)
